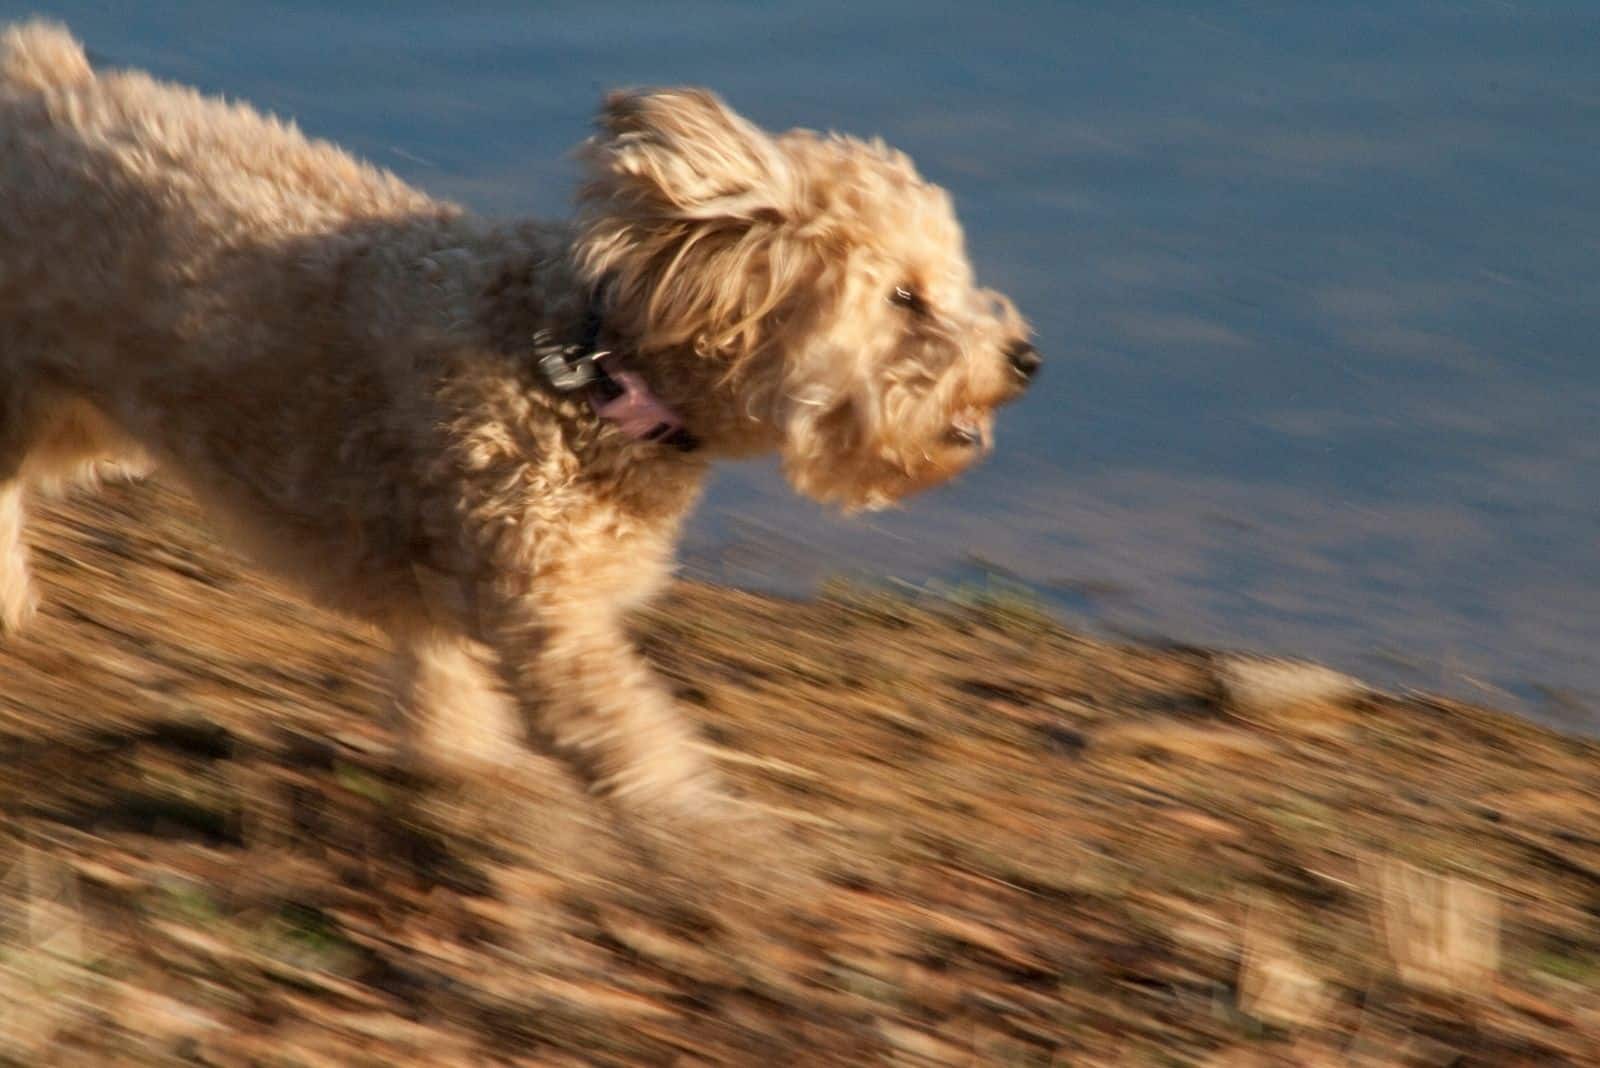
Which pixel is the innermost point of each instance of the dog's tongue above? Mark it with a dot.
(636, 411)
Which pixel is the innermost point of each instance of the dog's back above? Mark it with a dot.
(155, 127)
(121, 191)
(175, 271)
(42, 56)
(145, 227)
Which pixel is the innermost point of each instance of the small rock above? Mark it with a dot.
(913, 1046)
(1261, 685)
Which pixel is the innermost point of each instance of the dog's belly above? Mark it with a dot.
(303, 470)
(348, 565)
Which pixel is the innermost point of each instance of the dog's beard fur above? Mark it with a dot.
(816, 278)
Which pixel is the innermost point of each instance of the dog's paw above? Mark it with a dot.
(729, 859)
(735, 883)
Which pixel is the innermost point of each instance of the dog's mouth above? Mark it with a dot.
(964, 433)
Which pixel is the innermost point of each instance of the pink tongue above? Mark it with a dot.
(635, 410)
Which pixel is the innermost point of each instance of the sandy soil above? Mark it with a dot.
(974, 839)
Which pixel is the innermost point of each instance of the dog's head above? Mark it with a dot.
(818, 280)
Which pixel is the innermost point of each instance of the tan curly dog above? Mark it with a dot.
(399, 409)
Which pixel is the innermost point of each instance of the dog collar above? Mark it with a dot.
(617, 395)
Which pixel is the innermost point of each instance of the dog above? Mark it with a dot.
(480, 437)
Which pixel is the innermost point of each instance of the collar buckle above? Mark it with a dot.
(617, 395)
(568, 368)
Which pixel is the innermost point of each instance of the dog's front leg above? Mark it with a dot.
(589, 698)
(452, 712)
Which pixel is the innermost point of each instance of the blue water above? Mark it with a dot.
(1317, 283)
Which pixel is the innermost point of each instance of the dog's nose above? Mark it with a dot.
(1025, 359)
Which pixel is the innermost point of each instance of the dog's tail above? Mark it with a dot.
(41, 55)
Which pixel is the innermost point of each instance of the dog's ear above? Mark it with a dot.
(685, 154)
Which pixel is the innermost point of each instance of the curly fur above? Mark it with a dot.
(336, 365)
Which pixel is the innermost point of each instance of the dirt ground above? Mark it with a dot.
(973, 838)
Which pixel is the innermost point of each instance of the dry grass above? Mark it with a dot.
(978, 840)
(43, 959)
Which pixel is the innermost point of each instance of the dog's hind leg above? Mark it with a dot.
(18, 427)
(18, 601)
(46, 442)
(76, 446)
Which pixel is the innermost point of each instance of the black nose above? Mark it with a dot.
(1025, 359)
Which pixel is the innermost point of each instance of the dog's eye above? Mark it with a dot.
(909, 299)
